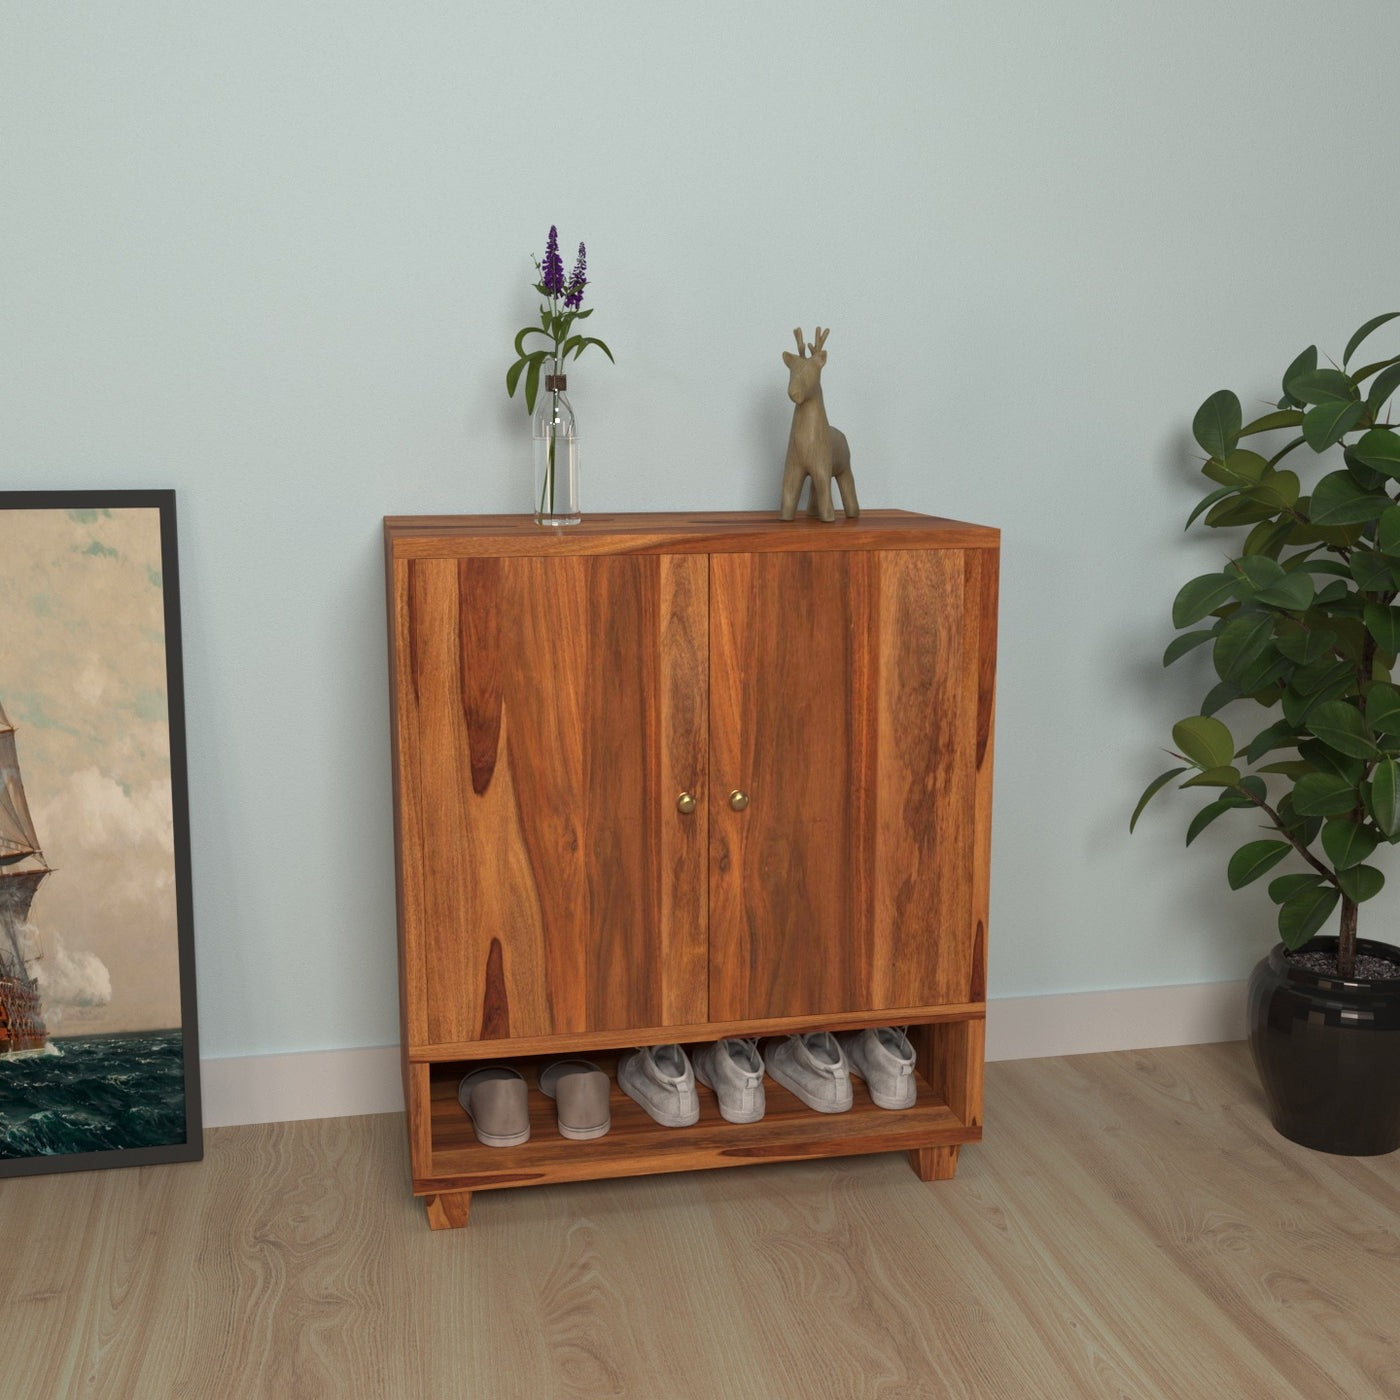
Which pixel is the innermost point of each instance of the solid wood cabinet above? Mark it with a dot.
(674, 777)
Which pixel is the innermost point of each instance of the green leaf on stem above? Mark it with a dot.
(1206, 742)
(1341, 727)
(1181, 645)
(1323, 386)
(1293, 592)
(1338, 500)
(1226, 776)
(1363, 331)
(1361, 882)
(532, 384)
(1383, 623)
(1286, 886)
(1383, 708)
(1373, 572)
(1278, 490)
(1347, 842)
(1253, 860)
(1323, 795)
(1153, 788)
(1278, 735)
(1239, 468)
(1383, 797)
(1384, 385)
(1206, 502)
(1218, 696)
(1380, 449)
(1388, 531)
(1201, 596)
(1329, 422)
(1204, 817)
(1217, 423)
(1306, 363)
(1281, 418)
(1240, 642)
(1301, 916)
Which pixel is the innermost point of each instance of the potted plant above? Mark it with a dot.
(1304, 623)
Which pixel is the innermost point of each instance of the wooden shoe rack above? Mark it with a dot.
(678, 777)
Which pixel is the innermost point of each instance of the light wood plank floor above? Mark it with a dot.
(1131, 1226)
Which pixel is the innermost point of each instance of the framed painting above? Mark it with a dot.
(99, 1058)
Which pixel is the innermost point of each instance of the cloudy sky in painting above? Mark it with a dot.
(82, 679)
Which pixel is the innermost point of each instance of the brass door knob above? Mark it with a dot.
(685, 804)
(738, 800)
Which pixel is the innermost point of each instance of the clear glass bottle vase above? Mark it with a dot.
(556, 456)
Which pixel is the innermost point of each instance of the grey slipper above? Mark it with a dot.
(581, 1090)
(497, 1102)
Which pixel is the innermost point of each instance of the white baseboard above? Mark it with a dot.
(341, 1083)
(1136, 1018)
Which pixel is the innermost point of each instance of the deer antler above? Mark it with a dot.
(801, 349)
(821, 339)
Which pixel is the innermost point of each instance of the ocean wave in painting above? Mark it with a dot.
(93, 1094)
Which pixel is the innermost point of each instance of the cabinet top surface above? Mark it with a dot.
(701, 532)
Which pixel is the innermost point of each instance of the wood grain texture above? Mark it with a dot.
(547, 880)
(694, 1031)
(448, 1210)
(715, 532)
(847, 882)
(1131, 1226)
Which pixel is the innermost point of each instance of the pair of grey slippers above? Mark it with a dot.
(497, 1101)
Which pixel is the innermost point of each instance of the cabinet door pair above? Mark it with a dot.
(665, 789)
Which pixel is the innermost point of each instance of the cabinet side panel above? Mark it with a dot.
(982, 589)
(922, 926)
(408, 814)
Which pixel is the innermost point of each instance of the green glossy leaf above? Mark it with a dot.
(1373, 572)
(1292, 769)
(513, 377)
(1277, 490)
(1347, 842)
(1287, 886)
(1338, 500)
(1380, 449)
(1383, 386)
(1268, 537)
(532, 384)
(1383, 798)
(1293, 592)
(1282, 418)
(1201, 596)
(1327, 760)
(1361, 882)
(1326, 424)
(1217, 424)
(1206, 742)
(1383, 624)
(1227, 775)
(1341, 727)
(1204, 817)
(1306, 363)
(1309, 679)
(1253, 573)
(1323, 795)
(1253, 860)
(1278, 735)
(1367, 478)
(1383, 708)
(1153, 788)
(1239, 643)
(1363, 331)
(1300, 917)
(1218, 696)
(1388, 531)
(1178, 648)
(1205, 503)
(1263, 675)
(1302, 645)
(1323, 386)
(1242, 510)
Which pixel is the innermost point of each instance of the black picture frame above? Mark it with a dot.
(178, 1126)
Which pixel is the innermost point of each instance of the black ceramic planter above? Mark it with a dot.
(1328, 1052)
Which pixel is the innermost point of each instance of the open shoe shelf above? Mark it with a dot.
(636, 1145)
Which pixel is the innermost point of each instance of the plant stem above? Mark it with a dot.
(1346, 939)
(1293, 841)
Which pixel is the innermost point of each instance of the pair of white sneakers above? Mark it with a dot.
(816, 1067)
(662, 1079)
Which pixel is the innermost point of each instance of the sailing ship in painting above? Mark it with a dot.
(22, 870)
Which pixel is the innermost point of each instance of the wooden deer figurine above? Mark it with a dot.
(815, 448)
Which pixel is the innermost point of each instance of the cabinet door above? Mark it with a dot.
(550, 711)
(846, 703)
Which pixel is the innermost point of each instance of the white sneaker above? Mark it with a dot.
(812, 1067)
(659, 1077)
(884, 1058)
(734, 1070)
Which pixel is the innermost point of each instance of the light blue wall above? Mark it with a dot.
(273, 254)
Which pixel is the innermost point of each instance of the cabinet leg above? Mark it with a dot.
(935, 1163)
(448, 1211)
